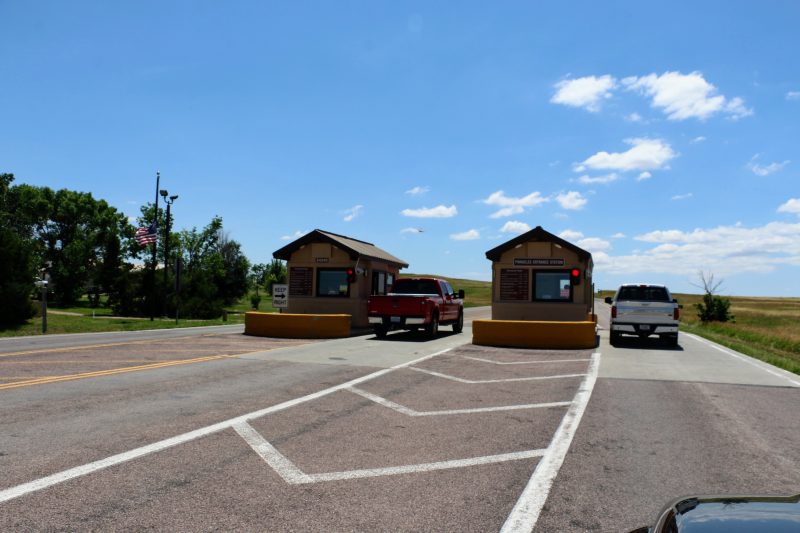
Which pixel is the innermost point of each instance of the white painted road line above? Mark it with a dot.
(72, 473)
(279, 463)
(294, 476)
(766, 367)
(526, 362)
(475, 382)
(411, 412)
(427, 467)
(526, 511)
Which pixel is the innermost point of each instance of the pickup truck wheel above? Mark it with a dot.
(432, 329)
(381, 331)
(614, 339)
(458, 325)
(671, 340)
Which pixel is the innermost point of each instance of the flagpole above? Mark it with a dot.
(155, 246)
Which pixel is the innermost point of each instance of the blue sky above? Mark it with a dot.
(661, 137)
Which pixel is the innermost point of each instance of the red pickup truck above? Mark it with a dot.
(414, 303)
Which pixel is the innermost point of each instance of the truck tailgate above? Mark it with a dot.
(644, 312)
(399, 305)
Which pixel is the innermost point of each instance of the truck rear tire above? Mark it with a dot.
(381, 331)
(614, 338)
(458, 325)
(432, 329)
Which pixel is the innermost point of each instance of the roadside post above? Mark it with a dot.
(280, 296)
(42, 284)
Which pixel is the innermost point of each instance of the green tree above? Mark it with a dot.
(215, 270)
(276, 273)
(713, 308)
(257, 275)
(73, 231)
(17, 268)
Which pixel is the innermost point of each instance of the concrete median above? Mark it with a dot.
(535, 334)
(295, 326)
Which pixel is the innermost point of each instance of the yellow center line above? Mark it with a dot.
(100, 373)
(6, 378)
(105, 345)
(98, 361)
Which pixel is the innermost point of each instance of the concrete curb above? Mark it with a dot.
(294, 326)
(534, 334)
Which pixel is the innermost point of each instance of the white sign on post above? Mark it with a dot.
(280, 296)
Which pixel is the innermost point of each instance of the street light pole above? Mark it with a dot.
(169, 201)
(152, 305)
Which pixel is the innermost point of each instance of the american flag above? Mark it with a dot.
(145, 236)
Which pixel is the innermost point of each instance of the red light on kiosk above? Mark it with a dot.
(575, 276)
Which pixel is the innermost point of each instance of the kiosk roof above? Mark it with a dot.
(354, 247)
(539, 235)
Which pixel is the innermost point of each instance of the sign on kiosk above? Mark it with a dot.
(280, 296)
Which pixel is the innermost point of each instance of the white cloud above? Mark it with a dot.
(644, 176)
(570, 235)
(793, 95)
(587, 92)
(634, 117)
(736, 109)
(511, 205)
(414, 191)
(645, 154)
(765, 170)
(512, 226)
(469, 235)
(296, 235)
(594, 245)
(792, 205)
(589, 180)
(353, 212)
(440, 211)
(682, 196)
(683, 96)
(698, 139)
(412, 230)
(723, 250)
(571, 200)
(618, 235)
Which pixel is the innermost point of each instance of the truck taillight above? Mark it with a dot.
(613, 311)
(676, 313)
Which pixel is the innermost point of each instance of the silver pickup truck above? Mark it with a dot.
(644, 310)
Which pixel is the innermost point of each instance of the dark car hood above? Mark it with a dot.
(712, 514)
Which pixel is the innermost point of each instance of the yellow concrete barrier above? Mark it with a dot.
(294, 326)
(534, 334)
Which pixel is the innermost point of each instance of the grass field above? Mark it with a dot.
(765, 328)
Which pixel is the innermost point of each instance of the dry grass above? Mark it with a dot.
(767, 328)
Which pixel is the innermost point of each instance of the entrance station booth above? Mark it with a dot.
(542, 294)
(539, 276)
(334, 274)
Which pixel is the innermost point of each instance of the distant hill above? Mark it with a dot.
(476, 293)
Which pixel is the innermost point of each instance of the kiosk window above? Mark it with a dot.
(378, 283)
(332, 282)
(552, 287)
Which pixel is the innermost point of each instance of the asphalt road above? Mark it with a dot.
(14, 344)
(226, 432)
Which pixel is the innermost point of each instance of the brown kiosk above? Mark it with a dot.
(334, 274)
(539, 276)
